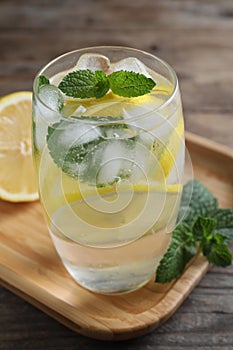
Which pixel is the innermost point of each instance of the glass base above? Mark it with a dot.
(109, 281)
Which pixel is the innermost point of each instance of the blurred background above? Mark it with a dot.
(195, 38)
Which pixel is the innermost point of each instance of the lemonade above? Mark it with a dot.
(110, 168)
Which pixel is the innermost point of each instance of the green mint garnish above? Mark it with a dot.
(196, 200)
(77, 147)
(86, 84)
(204, 227)
(215, 250)
(181, 250)
(41, 81)
(224, 223)
(130, 84)
(212, 244)
(69, 142)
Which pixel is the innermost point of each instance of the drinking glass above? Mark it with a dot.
(110, 169)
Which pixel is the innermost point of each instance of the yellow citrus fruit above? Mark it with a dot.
(88, 192)
(17, 174)
(167, 153)
(171, 150)
(108, 105)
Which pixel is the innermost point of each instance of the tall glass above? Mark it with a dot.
(110, 169)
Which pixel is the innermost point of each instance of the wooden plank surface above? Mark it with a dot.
(195, 37)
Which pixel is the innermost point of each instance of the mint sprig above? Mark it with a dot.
(86, 84)
(204, 227)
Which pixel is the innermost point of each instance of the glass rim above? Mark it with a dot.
(106, 47)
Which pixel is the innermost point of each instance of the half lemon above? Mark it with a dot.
(17, 173)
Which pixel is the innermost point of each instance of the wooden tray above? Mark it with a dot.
(30, 267)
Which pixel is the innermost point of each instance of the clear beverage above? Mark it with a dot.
(110, 170)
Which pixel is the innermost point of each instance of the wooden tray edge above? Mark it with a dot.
(194, 139)
(177, 293)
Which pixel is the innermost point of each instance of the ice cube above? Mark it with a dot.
(70, 141)
(40, 134)
(149, 126)
(78, 133)
(139, 167)
(43, 117)
(93, 61)
(131, 64)
(108, 162)
(46, 112)
(122, 159)
(51, 96)
(114, 161)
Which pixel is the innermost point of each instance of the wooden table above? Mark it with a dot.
(195, 37)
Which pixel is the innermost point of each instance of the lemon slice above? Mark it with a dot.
(167, 154)
(17, 174)
(89, 192)
(170, 152)
(109, 105)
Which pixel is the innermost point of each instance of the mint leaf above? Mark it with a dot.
(224, 218)
(224, 226)
(216, 251)
(211, 243)
(69, 142)
(78, 148)
(181, 250)
(102, 85)
(130, 84)
(85, 84)
(196, 200)
(41, 80)
(203, 227)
